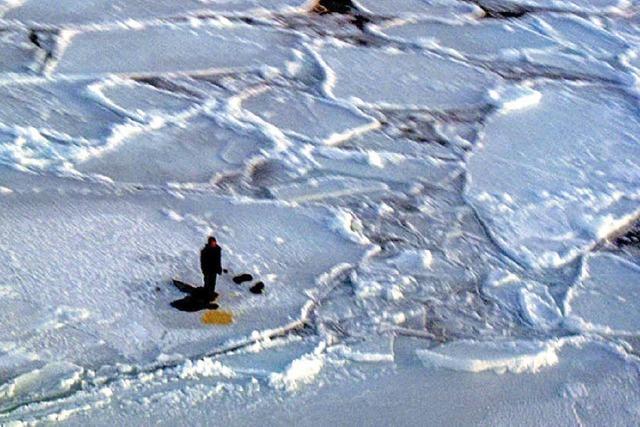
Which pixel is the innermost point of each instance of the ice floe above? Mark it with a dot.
(139, 101)
(321, 189)
(416, 183)
(120, 311)
(605, 299)
(551, 194)
(306, 116)
(581, 35)
(194, 151)
(61, 110)
(70, 12)
(486, 39)
(384, 166)
(443, 9)
(214, 47)
(548, 45)
(401, 80)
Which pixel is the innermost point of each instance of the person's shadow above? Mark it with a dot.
(195, 300)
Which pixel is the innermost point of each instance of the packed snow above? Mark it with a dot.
(441, 199)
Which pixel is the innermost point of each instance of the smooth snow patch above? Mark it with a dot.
(450, 10)
(136, 13)
(401, 80)
(486, 39)
(210, 48)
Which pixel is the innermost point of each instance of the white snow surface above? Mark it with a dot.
(399, 80)
(549, 195)
(605, 298)
(441, 198)
(215, 46)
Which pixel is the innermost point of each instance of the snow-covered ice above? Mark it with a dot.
(443, 9)
(305, 116)
(402, 80)
(212, 47)
(440, 197)
(549, 195)
(486, 39)
(605, 298)
(194, 151)
(70, 12)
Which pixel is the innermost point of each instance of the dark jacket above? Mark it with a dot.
(210, 260)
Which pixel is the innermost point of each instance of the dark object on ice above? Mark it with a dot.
(184, 287)
(341, 7)
(257, 288)
(210, 264)
(191, 304)
(242, 278)
(33, 38)
(198, 298)
(194, 291)
(334, 6)
(630, 238)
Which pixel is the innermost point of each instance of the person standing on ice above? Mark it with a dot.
(211, 266)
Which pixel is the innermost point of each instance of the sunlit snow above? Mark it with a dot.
(440, 199)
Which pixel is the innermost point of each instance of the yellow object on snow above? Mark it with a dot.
(217, 317)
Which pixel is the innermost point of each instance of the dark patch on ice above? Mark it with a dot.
(167, 86)
(341, 7)
(505, 14)
(268, 173)
(192, 304)
(196, 299)
(334, 6)
(45, 41)
(258, 288)
(494, 11)
(185, 287)
(630, 238)
(34, 38)
(241, 278)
